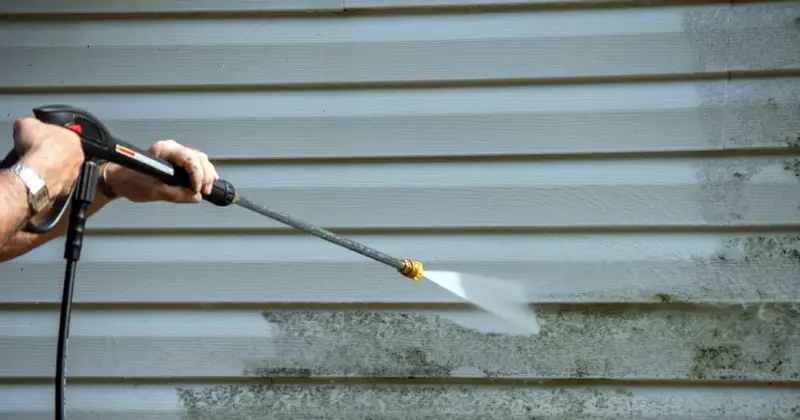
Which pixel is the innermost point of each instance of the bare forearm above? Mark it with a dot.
(14, 204)
(23, 242)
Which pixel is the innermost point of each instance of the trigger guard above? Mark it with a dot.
(57, 211)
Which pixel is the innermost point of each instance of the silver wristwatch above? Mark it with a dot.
(38, 196)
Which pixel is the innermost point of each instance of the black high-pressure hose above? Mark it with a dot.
(98, 146)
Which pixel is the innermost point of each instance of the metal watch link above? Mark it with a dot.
(38, 197)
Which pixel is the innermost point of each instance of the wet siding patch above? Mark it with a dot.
(619, 344)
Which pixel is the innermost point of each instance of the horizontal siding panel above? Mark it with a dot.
(605, 118)
(393, 402)
(382, 4)
(150, 6)
(416, 122)
(274, 269)
(35, 7)
(607, 193)
(415, 48)
(756, 344)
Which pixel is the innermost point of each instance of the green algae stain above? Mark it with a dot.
(671, 298)
(762, 249)
(424, 402)
(727, 358)
(576, 344)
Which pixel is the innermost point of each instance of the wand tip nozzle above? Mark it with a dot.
(412, 269)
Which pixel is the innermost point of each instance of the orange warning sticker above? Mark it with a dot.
(125, 151)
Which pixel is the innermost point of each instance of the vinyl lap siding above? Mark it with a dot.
(635, 166)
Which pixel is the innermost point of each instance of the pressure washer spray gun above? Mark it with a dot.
(99, 145)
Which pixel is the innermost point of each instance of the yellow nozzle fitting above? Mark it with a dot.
(412, 269)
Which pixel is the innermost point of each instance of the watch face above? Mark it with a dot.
(39, 200)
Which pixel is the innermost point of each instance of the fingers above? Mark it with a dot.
(209, 172)
(202, 173)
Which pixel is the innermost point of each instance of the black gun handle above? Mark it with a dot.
(99, 143)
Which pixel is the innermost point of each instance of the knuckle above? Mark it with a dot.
(164, 144)
(25, 126)
(28, 122)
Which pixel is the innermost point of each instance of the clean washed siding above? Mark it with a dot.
(636, 166)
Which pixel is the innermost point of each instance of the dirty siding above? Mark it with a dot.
(635, 166)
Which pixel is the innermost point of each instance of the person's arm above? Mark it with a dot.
(23, 242)
(135, 187)
(14, 204)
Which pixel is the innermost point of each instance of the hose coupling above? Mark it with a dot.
(412, 269)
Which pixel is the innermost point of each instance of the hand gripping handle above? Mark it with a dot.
(99, 143)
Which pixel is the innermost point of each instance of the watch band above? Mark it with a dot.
(38, 197)
(102, 184)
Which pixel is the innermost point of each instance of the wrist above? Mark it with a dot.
(40, 167)
(34, 176)
(14, 187)
(108, 173)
